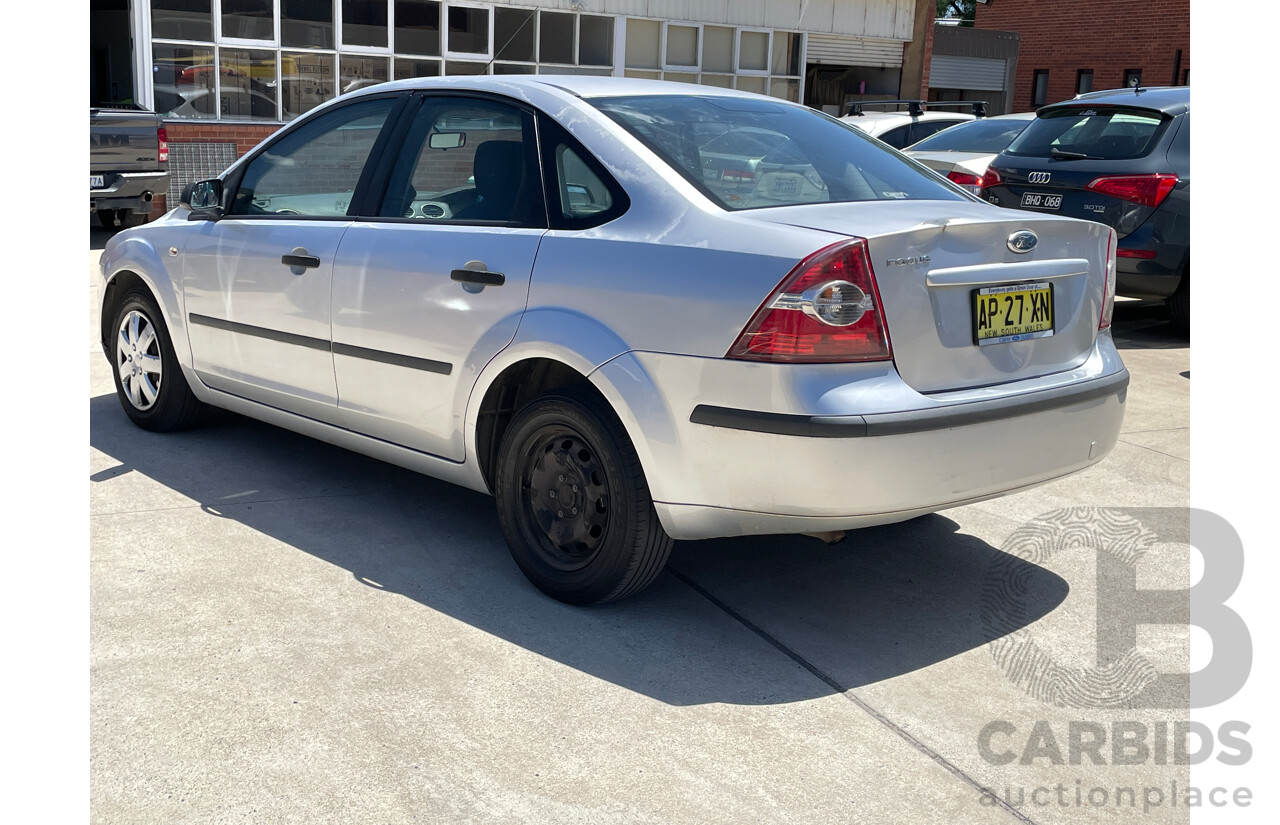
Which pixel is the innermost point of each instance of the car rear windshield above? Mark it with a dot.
(988, 136)
(750, 154)
(1096, 133)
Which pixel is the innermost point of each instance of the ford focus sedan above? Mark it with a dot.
(570, 293)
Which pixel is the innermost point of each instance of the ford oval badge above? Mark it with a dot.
(1024, 240)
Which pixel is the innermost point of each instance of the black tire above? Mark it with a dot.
(573, 502)
(120, 218)
(1179, 304)
(153, 391)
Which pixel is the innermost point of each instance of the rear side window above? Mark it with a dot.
(745, 153)
(1094, 133)
(985, 135)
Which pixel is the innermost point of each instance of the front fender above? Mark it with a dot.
(139, 256)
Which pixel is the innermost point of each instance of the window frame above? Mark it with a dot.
(233, 177)
(447, 52)
(1081, 74)
(370, 204)
(550, 135)
(1036, 74)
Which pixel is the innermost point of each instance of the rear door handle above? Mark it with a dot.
(300, 258)
(478, 276)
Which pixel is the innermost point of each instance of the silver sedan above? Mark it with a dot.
(571, 293)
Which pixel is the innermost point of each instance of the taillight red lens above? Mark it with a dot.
(989, 178)
(963, 178)
(162, 138)
(1148, 190)
(1109, 284)
(1145, 254)
(827, 310)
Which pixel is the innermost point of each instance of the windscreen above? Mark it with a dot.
(989, 136)
(750, 154)
(1096, 133)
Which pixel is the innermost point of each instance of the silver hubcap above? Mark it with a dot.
(138, 360)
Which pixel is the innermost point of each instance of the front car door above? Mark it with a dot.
(431, 285)
(257, 283)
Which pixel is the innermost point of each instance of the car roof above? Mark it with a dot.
(583, 86)
(1170, 100)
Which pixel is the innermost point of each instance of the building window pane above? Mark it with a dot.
(1084, 81)
(753, 52)
(306, 81)
(1040, 87)
(513, 34)
(555, 38)
(785, 89)
(250, 19)
(717, 49)
(724, 81)
(248, 84)
(595, 41)
(786, 53)
(1132, 78)
(406, 68)
(181, 89)
(643, 37)
(182, 19)
(418, 26)
(759, 85)
(512, 68)
(469, 30)
(364, 22)
(682, 46)
(464, 67)
(680, 77)
(358, 71)
(306, 23)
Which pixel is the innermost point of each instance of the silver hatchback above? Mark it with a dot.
(632, 311)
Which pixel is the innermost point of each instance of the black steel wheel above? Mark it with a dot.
(573, 501)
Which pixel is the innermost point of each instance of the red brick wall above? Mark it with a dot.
(1108, 36)
(244, 135)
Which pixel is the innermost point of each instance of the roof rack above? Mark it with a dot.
(915, 108)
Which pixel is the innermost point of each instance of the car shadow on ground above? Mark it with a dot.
(885, 602)
(1145, 325)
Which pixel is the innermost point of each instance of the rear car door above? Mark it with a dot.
(257, 283)
(431, 284)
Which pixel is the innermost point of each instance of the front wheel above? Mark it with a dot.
(149, 381)
(574, 504)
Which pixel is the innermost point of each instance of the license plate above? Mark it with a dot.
(1017, 312)
(1039, 200)
(97, 182)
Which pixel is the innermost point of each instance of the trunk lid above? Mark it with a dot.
(931, 257)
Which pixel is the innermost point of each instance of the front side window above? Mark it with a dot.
(467, 161)
(748, 154)
(312, 171)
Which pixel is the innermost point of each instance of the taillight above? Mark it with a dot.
(826, 310)
(963, 178)
(162, 138)
(1109, 285)
(737, 176)
(1144, 254)
(989, 178)
(1148, 190)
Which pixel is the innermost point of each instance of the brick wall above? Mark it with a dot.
(243, 136)
(1107, 36)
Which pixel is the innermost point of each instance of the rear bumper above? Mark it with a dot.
(129, 190)
(735, 470)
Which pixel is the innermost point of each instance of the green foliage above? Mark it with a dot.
(962, 9)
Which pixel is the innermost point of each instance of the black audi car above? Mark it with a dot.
(1122, 158)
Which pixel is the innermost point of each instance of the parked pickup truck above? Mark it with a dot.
(128, 163)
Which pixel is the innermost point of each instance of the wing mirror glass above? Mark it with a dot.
(204, 199)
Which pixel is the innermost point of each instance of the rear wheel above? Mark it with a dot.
(573, 502)
(1179, 304)
(149, 382)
